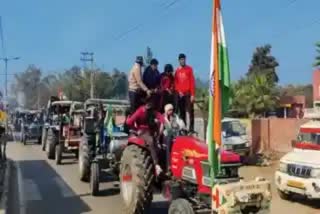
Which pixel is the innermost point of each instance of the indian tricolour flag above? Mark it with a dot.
(219, 88)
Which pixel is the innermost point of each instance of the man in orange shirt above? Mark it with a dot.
(185, 88)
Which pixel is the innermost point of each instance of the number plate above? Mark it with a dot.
(295, 184)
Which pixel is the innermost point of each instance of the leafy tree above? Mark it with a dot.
(254, 95)
(264, 63)
(317, 59)
(120, 84)
(28, 82)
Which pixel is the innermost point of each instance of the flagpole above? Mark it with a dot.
(217, 90)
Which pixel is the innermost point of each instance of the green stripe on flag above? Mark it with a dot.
(224, 70)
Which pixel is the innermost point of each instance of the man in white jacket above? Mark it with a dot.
(173, 124)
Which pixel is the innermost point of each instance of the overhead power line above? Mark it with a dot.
(165, 6)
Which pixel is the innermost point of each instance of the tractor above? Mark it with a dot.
(31, 127)
(188, 185)
(64, 129)
(100, 150)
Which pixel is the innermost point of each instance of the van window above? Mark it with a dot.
(233, 128)
(309, 137)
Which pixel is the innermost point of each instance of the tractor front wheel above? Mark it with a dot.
(52, 139)
(136, 179)
(94, 178)
(180, 206)
(44, 139)
(84, 157)
(59, 150)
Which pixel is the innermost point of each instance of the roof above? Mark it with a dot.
(107, 101)
(292, 100)
(311, 124)
(66, 103)
(229, 119)
(116, 104)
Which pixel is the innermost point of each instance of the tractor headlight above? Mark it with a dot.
(315, 173)
(283, 167)
(227, 147)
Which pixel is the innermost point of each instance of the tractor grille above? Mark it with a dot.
(299, 171)
(239, 146)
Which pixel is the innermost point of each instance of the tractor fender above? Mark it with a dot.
(134, 140)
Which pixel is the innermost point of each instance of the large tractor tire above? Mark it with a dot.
(44, 139)
(136, 179)
(84, 157)
(58, 153)
(180, 206)
(52, 140)
(95, 178)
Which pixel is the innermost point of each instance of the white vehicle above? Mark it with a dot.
(234, 136)
(299, 170)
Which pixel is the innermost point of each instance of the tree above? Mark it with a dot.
(317, 59)
(120, 84)
(254, 95)
(149, 55)
(28, 83)
(264, 63)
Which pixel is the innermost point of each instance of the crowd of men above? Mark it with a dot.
(169, 87)
(159, 103)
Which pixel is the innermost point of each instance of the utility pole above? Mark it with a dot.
(6, 60)
(88, 57)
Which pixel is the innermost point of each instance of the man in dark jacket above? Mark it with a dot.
(151, 76)
(151, 79)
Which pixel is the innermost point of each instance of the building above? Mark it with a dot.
(293, 106)
(316, 88)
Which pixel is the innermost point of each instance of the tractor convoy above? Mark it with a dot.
(96, 132)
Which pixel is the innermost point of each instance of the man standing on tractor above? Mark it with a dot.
(136, 85)
(149, 124)
(167, 86)
(185, 87)
(151, 78)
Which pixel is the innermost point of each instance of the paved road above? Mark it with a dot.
(39, 186)
(279, 206)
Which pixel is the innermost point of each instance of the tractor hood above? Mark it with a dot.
(196, 148)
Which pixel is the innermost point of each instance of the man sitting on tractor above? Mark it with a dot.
(173, 125)
(149, 124)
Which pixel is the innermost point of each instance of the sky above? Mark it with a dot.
(51, 34)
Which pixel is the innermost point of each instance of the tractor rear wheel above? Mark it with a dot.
(94, 178)
(136, 179)
(84, 157)
(58, 155)
(180, 206)
(52, 139)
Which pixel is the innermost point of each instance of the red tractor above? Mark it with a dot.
(188, 185)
